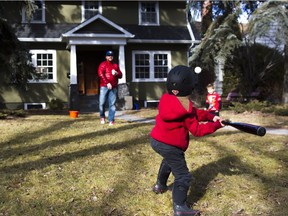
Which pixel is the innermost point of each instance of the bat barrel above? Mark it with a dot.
(261, 131)
(248, 128)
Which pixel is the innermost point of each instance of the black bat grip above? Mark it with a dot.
(225, 122)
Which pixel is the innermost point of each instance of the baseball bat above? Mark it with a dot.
(248, 128)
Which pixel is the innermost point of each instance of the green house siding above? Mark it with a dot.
(172, 13)
(63, 11)
(15, 98)
(121, 12)
(143, 91)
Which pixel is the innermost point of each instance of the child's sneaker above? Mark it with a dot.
(111, 123)
(102, 120)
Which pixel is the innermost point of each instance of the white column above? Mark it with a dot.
(122, 63)
(73, 65)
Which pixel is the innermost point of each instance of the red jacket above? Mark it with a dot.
(174, 122)
(106, 76)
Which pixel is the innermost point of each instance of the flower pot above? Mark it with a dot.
(73, 114)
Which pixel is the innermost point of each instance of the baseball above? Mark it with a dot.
(197, 70)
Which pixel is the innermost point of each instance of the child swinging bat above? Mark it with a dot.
(170, 137)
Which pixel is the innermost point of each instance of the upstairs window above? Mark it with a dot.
(45, 63)
(148, 13)
(37, 13)
(151, 66)
(90, 9)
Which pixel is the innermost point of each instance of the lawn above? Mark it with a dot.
(56, 165)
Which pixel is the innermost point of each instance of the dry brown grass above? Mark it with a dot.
(54, 165)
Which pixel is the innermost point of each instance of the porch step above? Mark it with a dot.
(89, 103)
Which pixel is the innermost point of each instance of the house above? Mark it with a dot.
(69, 39)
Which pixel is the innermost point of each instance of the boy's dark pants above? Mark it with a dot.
(173, 160)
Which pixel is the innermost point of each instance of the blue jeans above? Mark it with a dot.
(109, 94)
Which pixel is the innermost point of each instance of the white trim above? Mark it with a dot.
(160, 41)
(151, 66)
(190, 32)
(157, 14)
(54, 66)
(27, 104)
(96, 41)
(121, 60)
(40, 39)
(150, 101)
(98, 35)
(73, 65)
(110, 36)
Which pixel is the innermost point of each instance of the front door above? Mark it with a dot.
(88, 82)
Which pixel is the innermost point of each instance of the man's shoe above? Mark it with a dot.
(184, 210)
(159, 189)
(102, 120)
(111, 123)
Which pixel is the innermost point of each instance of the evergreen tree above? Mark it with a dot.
(224, 39)
(15, 60)
(220, 39)
(270, 21)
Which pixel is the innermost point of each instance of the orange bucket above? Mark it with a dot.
(73, 114)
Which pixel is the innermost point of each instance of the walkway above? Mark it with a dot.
(134, 118)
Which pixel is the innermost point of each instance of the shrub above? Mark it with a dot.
(56, 104)
(281, 111)
(17, 113)
(251, 106)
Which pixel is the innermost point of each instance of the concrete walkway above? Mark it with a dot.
(133, 118)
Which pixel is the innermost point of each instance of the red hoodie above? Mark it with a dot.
(106, 76)
(174, 122)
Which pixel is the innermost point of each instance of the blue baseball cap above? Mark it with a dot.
(109, 53)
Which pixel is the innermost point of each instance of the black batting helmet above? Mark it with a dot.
(180, 78)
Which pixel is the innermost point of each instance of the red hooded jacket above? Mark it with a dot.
(174, 122)
(106, 76)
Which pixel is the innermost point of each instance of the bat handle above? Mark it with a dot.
(225, 122)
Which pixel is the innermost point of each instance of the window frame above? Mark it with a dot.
(83, 10)
(54, 65)
(156, 11)
(43, 13)
(151, 65)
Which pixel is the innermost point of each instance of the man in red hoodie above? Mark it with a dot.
(170, 136)
(109, 73)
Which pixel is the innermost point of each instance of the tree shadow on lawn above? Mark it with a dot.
(204, 175)
(58, 159)
(107, 203)
(47, 130)
(232, 165)
(55, 142)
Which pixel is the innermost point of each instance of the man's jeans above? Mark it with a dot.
(109, 94)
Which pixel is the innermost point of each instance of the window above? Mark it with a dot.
(45, 63)
(28, 106)
(152, 66)
(90, 9)
(37, 14)
(148, 13)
